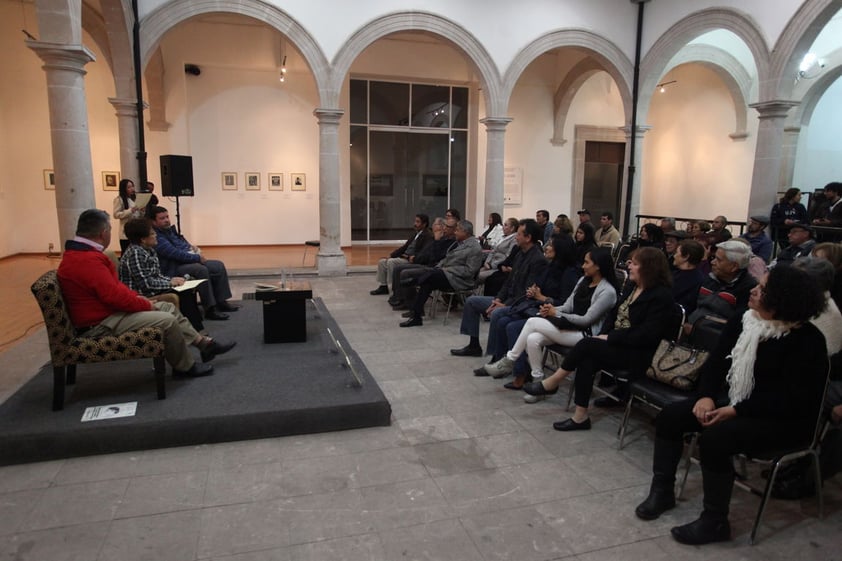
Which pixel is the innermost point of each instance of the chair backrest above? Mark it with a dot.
(706, 332)
(609, 245)
(60, 330)
(622, 277)
(622, 254)
(677, 322)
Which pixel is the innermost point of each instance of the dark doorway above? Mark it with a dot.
(602, 189)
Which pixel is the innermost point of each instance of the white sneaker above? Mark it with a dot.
(502, 367)
(533, 398)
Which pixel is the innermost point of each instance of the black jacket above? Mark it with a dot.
(526, 269)
(424, 239)
(652, 317)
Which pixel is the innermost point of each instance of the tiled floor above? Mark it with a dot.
(466, 472)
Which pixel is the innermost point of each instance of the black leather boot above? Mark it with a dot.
(712, 526)
(662, 491)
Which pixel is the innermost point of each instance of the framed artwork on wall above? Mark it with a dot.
(229, 181)
(110, 180)
(276, 182)
(298, 181)
(49, 180)
(252, 182)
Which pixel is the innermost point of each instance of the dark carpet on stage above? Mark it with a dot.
(257, 391)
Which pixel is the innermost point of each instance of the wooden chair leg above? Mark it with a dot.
(71, 374)
(160, 373)
(58, 387)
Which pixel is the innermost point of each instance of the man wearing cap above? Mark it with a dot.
(671, 241)
(584, 216)
(607, 232)
(761, 244)
(801, 243)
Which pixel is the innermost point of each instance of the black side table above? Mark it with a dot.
(285, 312)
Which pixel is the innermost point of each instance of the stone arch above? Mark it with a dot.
(609, 58)
(94, 24)
(813, 91)
(156, 24)
(678, 36)
(417, 21)
(733, 74)
(118, 18)
(792, 45)
(565, 93)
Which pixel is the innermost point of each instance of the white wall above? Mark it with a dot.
(691, 168)
(819, 156)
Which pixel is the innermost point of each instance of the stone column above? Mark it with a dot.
(495, 128)
(637, 164)
(790, 151)
(331, 259)
(766, 179)
(127, 129)
(64, 66)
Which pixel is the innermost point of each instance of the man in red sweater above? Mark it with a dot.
(99, 304)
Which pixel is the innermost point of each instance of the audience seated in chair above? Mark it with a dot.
(748, 399)
(801, 243)
(457, 271)
(528, 265)
(417, 241)
(404, 287)
(552, 286)
(501, 250)
(686, 276)
(726, 290)
(761, 244)
(581, 315)
(629, 338)
(99, 304)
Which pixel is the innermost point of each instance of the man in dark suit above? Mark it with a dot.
(413, 246)
(526, 268)
(457, 271)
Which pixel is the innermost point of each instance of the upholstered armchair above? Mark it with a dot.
(67, 349)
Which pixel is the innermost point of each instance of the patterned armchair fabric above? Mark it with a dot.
(67, 349)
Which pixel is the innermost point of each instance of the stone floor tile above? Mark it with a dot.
(15, 508)
(521, 533)
(407, 503)
(162, 537)
(608, 469)
(419, 407)
(354, 548)
(546, 480)
(485, 423)
(172, 460)
(454, 456)
(646, 550)
(274, 554)
(28, 476)
(446, 540)
(481, 491)
(401, 390)
(75, 504)
(513, 448)
(230, 454)
(226, 530)
(244, 483)
(157, 494)
(81, 542)
(325, 516)
(97, 468)
(421, 430)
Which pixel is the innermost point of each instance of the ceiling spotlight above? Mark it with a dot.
(662, 87)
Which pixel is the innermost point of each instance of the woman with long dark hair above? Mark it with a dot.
(580, 316)
(125, 209)
(760, 390)
(585, 240)
(785, 213)
(494, 233)
(629, 337)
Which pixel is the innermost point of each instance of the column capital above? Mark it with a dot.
(125, 107)
(60, 56)
(640, 130)
(774, 108)
(328, 116)
(495, 123)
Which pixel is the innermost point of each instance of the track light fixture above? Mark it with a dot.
(662, 87)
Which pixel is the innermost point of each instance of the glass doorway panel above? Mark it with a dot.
(408, 175)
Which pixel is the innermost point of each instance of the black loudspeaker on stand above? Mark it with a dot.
(177, 180)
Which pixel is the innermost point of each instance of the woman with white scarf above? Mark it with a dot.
(761, 389)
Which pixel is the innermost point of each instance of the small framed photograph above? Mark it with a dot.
(110, 180)
(49, 180)
(276, 182)
(229, 181)
(252, 182)
(298, 181)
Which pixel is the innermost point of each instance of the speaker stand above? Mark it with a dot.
(177, 215)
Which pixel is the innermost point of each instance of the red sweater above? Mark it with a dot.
(91, 289)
